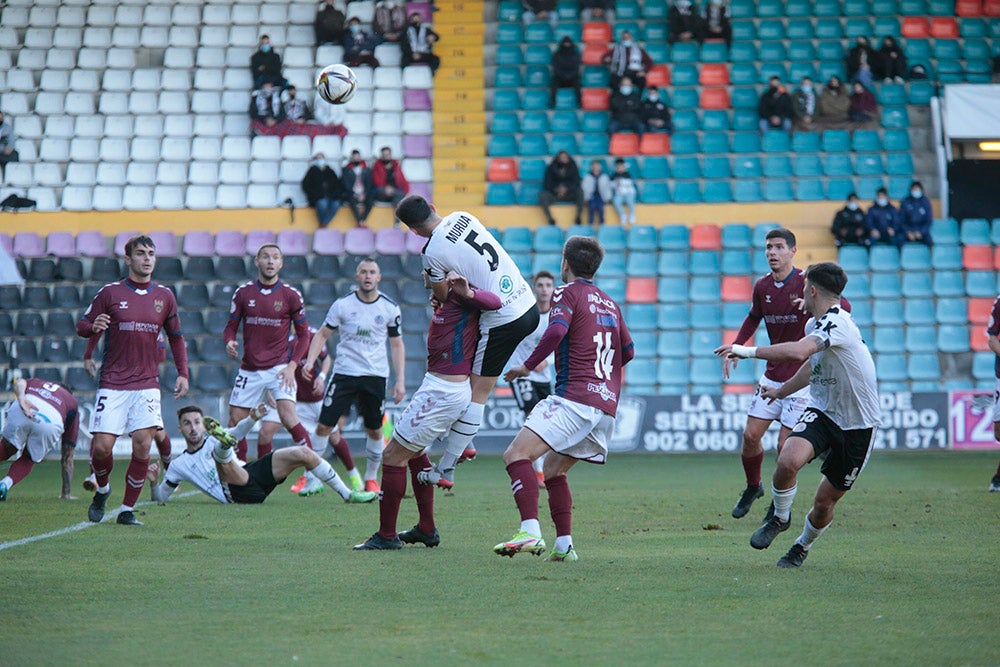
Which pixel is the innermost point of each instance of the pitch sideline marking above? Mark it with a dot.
(79, 526)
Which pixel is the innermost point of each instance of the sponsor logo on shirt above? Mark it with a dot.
(602, 390)
(600, 300)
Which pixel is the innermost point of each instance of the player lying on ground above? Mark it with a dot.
(209, 462)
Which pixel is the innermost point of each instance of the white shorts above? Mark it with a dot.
(122, 411)
(250, 386)
(786, 410)
(433, 409)
(308, 414)
(996, 402)
(572, 429)
(39, 435)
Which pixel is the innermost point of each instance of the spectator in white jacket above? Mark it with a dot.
(596, 192)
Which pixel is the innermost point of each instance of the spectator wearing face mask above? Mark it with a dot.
(833, 105)
(882, 221)
(775, 108)
(561, 184)
(627, 58)
(358, 186)
(296, 110)
(849, 224)
(418, 44)
(683, 22)
(565, 70)
(359, 45)
(265, 65)
(915, 216)
(626, 109)
(387, 177)
(597, 192)
(655, 114)
(323, 189)
(715, 22)
(804, 104)
(329, 24)
(860, 61)
(891, 64)
(864, 108)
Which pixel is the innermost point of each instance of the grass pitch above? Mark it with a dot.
(906, 575)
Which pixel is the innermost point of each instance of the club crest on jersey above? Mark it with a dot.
(158, 305)
(379, 319)
(278, 305)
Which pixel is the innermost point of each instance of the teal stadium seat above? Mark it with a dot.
(615, 288)
(717, 192)
(703, 341)
(549, 261)
(549, 239)
(798, 70)
(672, 372)
(895, 117)
(655, 10)
(683, 52)
(613, 238)
(715, 120)
(684, 143)
(673, 344)
(995, 231)
(716, 167)
(706, 316)
(853, 259)
(568, 10)
(776, 141)
(621, 26)
(654, 193)
(594, 121)
(517, 240)
(856, 8)
(861, 312)
(745, 97)
(974, 231)
(890, 367)
(946, 257)
(869, 164)
(770, 30)
(889, 314)
(537, 75)
(595, 77)
(923, 367)
(947, 49)
(885, 7)
(500, 194)
(742, 9)
(641, 265)
(685, 120)
(715, 143)
(951, 311)
(944, 231)
(838, 164)
(593, 143)
(827, 9)
(896, 140)
(645, 346)
(502, 145)
(674, 263)
(983, 366)
(745, 120)
(830, 50)
(643, 237)
(806, 165)
(535, 122)
(683, 75)
(641, 316)
(743, 52)
(714, 52)
(747, 191)
(532, 170)
(705, 289)
(886, 24)
(970, 28)
(571, 29)
(539, 99)
(685, 98)
(660, 53)
(866, 141)
(746, 142)
(527, 194)
(899, 164)
(563, 142)
(836, 141)
(809, 189)
(799, 29)
(733, 314)
(837, 189)
(922, 340)
(744, 74)
(672, 289)
(798, 8)
(736, 262)
(654, 32)
(899, 186)
(829, 68)
(655, 168)
(510, 11)
(867, 187)
(915, 257)
(920, 92)
(747, 167)
(828, 28)
(505, 123)
(952, 339)
(891, 94)
(948, 284)
(509, 54)
(506, 100)
(777, 166)
(855, 27)
(510, 33)
(886, 286)
(778, 190)
(672, 237)
(770, 69)
(627, 10)
(581, 230)
(800, 51)
(889, 340)
(532, 145)
(772, 51)
(613, 266)
(917, 284)
(538, 33)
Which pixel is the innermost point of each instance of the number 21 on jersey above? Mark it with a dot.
(603, 364)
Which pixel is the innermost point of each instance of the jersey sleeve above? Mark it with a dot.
(235, 316)
(394, 326)
(333, 316)
(173, 476)
(434, 268)
(994, 326)
(831, 331)
(85, 327)
(563, 303)
(71, 427)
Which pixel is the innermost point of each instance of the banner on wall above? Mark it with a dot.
(971, 418)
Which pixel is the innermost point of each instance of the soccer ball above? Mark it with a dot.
(336, 83)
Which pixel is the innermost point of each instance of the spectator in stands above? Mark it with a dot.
(596, 192)
(849, 224)
(655, 114)
(387, 177)
(597, 10)
(359, 45)
(863, 109)
(860, 60)
(540, 10)
(996, 69)
(265, 105)
(418, 44)
(804, 105)
(390, 21)
(565, 70)
(7, 152)
(882, 220)
(296, 110)
(629, 59)
(915, 216)
(715, 22)
(561, 184)
(624, 193)
(357, 179)
(265, 65)
(330, 116)
(626, 109)
(834, 104)
(891, 63)
(329, 24)
(324, 189)
(775, 107)
(683, 22)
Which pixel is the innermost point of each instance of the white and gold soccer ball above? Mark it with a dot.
(336, 83)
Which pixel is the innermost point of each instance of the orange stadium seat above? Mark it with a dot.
(714, 74)
(653, 143)
(593, 54)
(980, 309)
(624, 144)
(658, 76)
(595, 99)
(977, 258)
(969, 8)
(502, 170)
(991, 8)
(640, 290)
(736, 288)
(715, 98)
(977, 340)
(915, 26)
(996, 257)
(706, 237)
(739, 388)
(729, 335)
(596, 32)
(944, 27)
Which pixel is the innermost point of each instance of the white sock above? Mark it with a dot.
(325, 473)
(373, 453)
(462, 432)
(126, 508)
(538, 463)
(104, 489)
(222, 454)
(310, 478)
(783, 501)
(352, 472)
(810, 534)
(563, 543)
(7, 481)
(531, 527)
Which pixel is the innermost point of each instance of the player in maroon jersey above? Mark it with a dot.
(268, 309)
(592, 343)
(441, 399)
(777, 299)
(132, 312)
(993, 338)
(42, 414)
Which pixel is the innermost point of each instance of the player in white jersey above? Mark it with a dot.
(365, 319)
(209, 462)
(459, 242)
(840, 420)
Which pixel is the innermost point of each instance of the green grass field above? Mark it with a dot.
(907, 575)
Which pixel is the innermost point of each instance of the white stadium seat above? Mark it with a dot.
(246, 14)
(293, 192)
(156, 15)
(238, 79)
(77, 198)
(119, 126)
(79, 173)
(146, 101)
(216, 14)
(418, 76)
(200, 197)
(97, 38)
(388, 55)
(236, 148)
(27, 149)
(177, 79)
(364, 10)
(366, 77)
(300, 77)
(232, 172)
(45, 199)
(145, 149)
(154, 36)
(178, 126)
(388, 77)
(16, 16)
(358, 142)
(385, 122)
(393, 141)
(204, 173)
(55, 126)
(266, 148)
(206, 101)
(8, 37)
(168, 198)
(141, 173)
(213, 56)
(418, 170)
(67, 38)
(358, 122)
(30, 127)
(214, 35)
(113, 103)
(19, 174)
(38, 38)
(418, 122)
(173, 102)
(209, 125)
(185, 15)
(125, 36)
(263, 172)
(48, 173)
(244, 35)
(363, 101)
(59, 59)
(206, 148)
(149, 125)
(274, 14)
(177, 58)
(111, 173)
(235, 124)
(21, 80)
(117, 80)
(327, 54)
(329, 145)
(292, 171)
(15, 104)
(305, 13)
(171, 173)
(231, 196)
(278, 37)
(238, 56)
(114, 150)
(101, 16)
(208, 79)
(262, 196)
(130, 15)
(71, 17)
(88, 126)
(107, 198)
(175, 149)
(84, 81)
(92, 58)
(137, 198)
(296, 148)
(49, 102)
(183, 36)
(146, 79)
(236, 102)
(121, 58)
(298, 56)
(389, 100)
(31, 59)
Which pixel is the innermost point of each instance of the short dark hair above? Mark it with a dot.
(188, 409)
(852, 195)
(584, 255)
(137, 241)
(268, 245)
(619, 160)
(781, 233)
(917, 184)
(881, 191)
(542, 274)
(828, 276)
(413, 211)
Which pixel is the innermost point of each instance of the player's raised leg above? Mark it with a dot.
(817, 521)
(796, 453)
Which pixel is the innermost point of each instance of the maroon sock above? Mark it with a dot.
(264, 448)
(300, 436)
(751, 467)
(393, 488)
(164, 449)
(998, 469)
(20, 468)
(241, 450)
(524, 485)
(560, 504)
(135, 479)
(343, 452)
(102, 467)
(424, 493)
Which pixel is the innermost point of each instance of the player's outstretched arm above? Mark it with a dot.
(160, 492)
(315, 347)
(799, 350)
